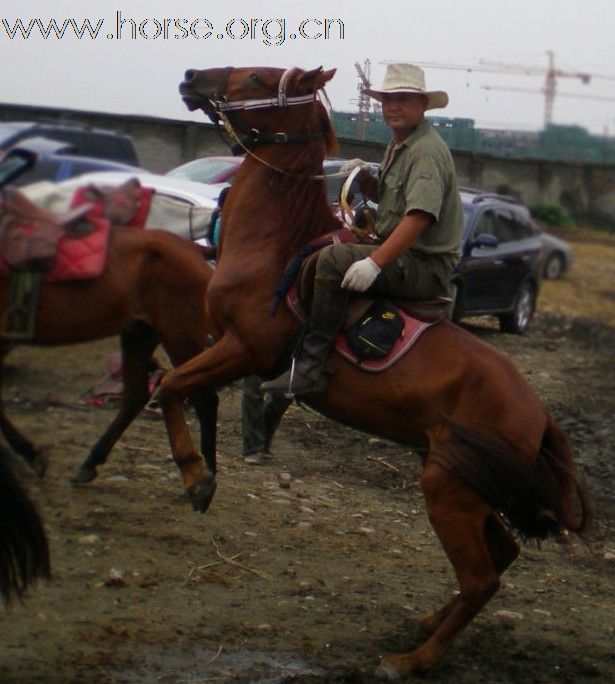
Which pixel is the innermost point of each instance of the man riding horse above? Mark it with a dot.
(418, 227)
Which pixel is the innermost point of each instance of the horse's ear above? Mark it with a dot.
(313, 80)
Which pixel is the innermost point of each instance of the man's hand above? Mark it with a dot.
(352, 164)
(360, 276)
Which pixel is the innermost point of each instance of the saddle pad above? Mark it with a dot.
(77, 258)
(413, 329)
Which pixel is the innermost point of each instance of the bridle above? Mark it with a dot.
(252, 137)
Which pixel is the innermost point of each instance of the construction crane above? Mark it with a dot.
(550, 73)
(542, 91)
(363, 99)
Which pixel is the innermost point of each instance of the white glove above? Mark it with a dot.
(352, 164)
(361, 275)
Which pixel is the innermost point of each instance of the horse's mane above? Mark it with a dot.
(307, 211)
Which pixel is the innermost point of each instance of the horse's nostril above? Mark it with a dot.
(189, 75)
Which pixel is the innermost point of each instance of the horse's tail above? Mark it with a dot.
(539, 494)
(556, 451)
(24, 553)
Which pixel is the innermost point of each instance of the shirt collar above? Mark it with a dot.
(393, 149)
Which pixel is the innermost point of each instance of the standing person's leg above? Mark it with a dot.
(274, 408)
(253, 429)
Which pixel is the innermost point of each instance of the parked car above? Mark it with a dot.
(215, 169)
(84, 140)
(173, 187)
(37, 159)
(500, 269)
(557, 256)
(222, 169)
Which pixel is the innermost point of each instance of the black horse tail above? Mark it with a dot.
(539, 494)
(24, 552)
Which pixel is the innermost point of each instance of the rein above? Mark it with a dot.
(253, 137)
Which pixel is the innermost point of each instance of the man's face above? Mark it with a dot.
(403, 111)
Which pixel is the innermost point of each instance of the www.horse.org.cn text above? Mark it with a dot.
(269, 31)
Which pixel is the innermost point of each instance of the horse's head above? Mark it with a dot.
(252, 94)
(207, 89)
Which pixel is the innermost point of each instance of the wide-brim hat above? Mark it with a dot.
(408, 78)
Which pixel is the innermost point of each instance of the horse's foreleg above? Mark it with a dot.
(138, 343)
(215, 366)
(459, 518)
(35, 456)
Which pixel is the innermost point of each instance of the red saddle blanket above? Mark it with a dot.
(77, 258)
(413, 329)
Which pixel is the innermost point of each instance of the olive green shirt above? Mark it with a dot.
(420, 174)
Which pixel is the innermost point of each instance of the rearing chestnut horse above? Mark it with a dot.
(490, 450)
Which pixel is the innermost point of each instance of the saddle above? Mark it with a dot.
(417, 315)
(127, 204)
(29, 235)
(38, 244)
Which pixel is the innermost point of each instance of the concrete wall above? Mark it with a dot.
(588, 190)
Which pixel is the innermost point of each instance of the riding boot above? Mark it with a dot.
(308, 374)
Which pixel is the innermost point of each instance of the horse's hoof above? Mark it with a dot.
(385, 671)
(201, 493)
(40, 462)
(83, 476)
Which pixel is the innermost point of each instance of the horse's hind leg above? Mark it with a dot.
(138, 343)
(503, 549)
(205, 401)
(459, 518)
(35, 456)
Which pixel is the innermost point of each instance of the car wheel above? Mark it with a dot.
(518, 321)
(554, 267)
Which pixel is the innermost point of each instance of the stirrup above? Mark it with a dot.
(289, 394)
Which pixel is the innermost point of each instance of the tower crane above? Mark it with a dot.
(550, 73)
(363, 99)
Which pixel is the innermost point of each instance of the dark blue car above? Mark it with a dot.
(500, 268)
(38, 159)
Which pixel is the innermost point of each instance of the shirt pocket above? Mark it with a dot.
(394, 196)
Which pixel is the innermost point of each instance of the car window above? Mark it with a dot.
(11, 167)
(204, 170)
(44, 169)
(486, 223)
(506, 228)
(523, 228)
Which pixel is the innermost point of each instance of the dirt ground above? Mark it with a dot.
(311, 583)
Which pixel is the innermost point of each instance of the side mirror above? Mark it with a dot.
(483, 240)
(15, 164)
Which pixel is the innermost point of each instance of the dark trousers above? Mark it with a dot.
(414, 275)
(260, 415)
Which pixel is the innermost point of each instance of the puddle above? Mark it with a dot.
(209, 666)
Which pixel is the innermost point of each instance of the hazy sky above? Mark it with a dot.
(140, 75)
